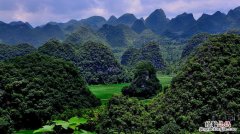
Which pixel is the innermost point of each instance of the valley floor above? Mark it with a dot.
(105, 92)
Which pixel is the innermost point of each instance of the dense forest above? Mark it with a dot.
(35, 87)
(207, 87)
(123, 75)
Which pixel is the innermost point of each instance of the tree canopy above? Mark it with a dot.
(207, 88)
(125, 115)
(149, 52)
(194, 42)
(145, 83)
(8, 52)
(96, 61)
(58, 49)
(98, 64)
(35, 87)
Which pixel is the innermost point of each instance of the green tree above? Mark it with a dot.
(145, 83)
(125, 115)
(73, 125)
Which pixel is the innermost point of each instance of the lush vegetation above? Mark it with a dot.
(125, 115)
(83, 35)
(207, 88)
(129, 57)
(96, 62)
(60, 126)
(193, 43)
(48, 88)
(98, 65)
(149, 52)
(8, 52)
(118, 36)
(149, 36)
(106, 91)
(59, 50)
(145, 83)
(203, 90)
(35, 87)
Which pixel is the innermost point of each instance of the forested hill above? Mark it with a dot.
(33, 88)
(206, 88)
(122, 30)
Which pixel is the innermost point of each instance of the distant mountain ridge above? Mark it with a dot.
(20, 32)
(157, 21)
(181, 27)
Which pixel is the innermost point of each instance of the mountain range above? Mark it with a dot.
(120, 31)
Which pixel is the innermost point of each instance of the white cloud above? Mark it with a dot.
(134, 6)
(39, 12)
(197, 7)
(95, 12)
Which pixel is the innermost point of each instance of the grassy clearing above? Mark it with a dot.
(165, 80)
(105, 92)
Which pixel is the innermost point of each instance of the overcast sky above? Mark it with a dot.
(38, 12)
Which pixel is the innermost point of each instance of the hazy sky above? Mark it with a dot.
(38, 12)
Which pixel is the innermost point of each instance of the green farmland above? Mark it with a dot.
(104, 92)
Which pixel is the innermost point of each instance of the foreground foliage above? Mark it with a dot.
(70, 126)
(125, 115)
(130, 115)
(35, 87)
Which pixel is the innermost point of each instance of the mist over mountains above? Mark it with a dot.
(124, 29)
